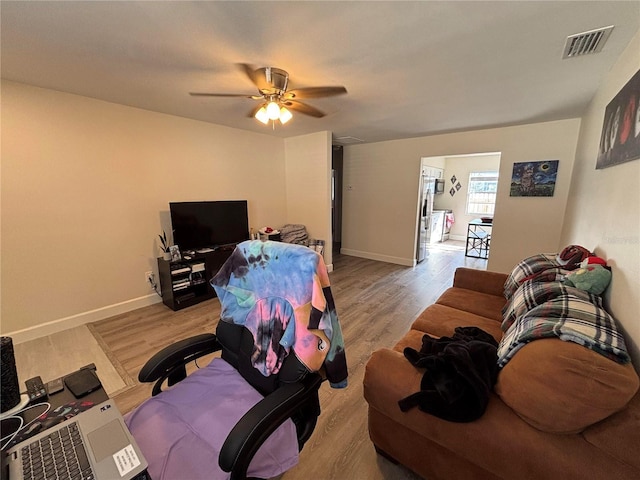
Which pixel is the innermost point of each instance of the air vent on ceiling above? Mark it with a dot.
(348, 140)
(586, 42)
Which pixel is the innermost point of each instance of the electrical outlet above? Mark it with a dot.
(148, 277)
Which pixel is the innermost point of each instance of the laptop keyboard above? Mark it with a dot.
(59, 455)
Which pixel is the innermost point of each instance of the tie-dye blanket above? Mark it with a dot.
(281, 293)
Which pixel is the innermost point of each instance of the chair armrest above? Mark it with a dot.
(481, 281)
(170, 361)
(261, 421)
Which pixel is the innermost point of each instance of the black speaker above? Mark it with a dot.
(8, 377)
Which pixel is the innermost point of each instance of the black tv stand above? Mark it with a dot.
(186, 282)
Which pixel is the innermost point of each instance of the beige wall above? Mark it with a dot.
(379, 209)
(379, 202)
(461, 167)
(85, 191)
(603, 212)
(308, 180)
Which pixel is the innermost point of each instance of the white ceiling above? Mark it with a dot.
(410, 68)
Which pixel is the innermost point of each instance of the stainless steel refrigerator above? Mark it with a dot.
(427, 192)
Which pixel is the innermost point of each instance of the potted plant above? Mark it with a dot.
(166, 254)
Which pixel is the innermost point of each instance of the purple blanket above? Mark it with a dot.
(182, 440)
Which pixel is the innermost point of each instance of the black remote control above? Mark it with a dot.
(36, 390)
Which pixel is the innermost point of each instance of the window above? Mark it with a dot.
(481, 196)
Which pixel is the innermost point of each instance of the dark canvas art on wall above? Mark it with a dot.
(534, 179)
(620, 139)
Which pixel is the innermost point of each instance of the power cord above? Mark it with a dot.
(154, 285)
(22, 425)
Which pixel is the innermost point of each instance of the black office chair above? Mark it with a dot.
(291, 393)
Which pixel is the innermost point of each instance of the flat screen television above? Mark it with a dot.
(209, 224)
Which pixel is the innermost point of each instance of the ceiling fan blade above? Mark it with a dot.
(303, 108)
(242, 95)
(251, 72)
(315, 92)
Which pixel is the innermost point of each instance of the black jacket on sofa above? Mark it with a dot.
(460, 374)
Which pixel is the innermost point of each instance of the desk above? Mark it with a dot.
(478, 239)
(63, 403)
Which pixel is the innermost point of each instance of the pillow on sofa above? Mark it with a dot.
(563, 387)
(533, 293)
(530, 267)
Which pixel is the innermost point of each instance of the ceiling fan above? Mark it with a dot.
(275, 99)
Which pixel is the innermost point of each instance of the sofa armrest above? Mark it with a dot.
(390, 377)
(482, 281)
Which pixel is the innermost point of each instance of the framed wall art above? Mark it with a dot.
(620, 138)
(534, 179)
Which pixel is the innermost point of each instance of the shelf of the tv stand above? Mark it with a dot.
(197, 291)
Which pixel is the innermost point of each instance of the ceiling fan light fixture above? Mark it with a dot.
(285, 115)
(273, 110)
(262, 115)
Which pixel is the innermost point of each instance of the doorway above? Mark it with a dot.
(466, 197)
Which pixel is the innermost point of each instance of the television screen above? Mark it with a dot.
(209, 224)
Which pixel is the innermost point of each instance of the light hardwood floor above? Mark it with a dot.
(376, 304)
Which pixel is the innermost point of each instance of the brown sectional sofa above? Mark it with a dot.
(558, 410)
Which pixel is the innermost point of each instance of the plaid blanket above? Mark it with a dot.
(535, 292)
(568, 318)
(543, 264)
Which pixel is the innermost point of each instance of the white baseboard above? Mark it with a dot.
(330, 268)
(55, 326)
(407, 262)
(461, 238)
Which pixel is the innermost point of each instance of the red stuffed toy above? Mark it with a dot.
(593, 260)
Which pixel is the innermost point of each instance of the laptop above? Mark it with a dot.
(93, 445)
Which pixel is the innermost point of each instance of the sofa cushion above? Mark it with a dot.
(619, 436)
(483, 281)
(441, 321)
(563, 387)
(485, 305)
(412, 339)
